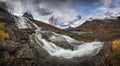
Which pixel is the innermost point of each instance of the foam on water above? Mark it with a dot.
(85, 49)
(82, 50)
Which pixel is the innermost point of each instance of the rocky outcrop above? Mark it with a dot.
(28, 15)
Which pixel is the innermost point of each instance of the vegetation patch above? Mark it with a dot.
(3, 34)
(115, 55)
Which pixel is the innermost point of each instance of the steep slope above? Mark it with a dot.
(4, 14)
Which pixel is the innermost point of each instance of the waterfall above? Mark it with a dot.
(84, 49)
(22, 22)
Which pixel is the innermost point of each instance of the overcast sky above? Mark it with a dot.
(65, 10)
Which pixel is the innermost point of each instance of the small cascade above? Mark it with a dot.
(22, 22)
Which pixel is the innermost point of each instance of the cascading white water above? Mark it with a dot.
(22, 22)
(85, 49)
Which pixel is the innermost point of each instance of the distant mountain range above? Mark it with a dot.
(99, 25)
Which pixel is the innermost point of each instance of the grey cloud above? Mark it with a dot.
(44, 12)
(109, 3)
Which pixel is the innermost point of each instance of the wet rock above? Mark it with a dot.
(57, 39)
(37, 50)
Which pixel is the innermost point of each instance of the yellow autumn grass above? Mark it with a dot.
(116, 45)
(115, 55)
(2, 25)
(3, 34)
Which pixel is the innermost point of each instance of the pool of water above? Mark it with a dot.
(79, 32)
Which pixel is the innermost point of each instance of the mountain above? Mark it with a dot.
(99, 25)
(101, 30)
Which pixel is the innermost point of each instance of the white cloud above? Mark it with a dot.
(108, 3)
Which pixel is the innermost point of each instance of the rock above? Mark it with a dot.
(4, 58)
(58, 40)
(19, 62)
(3, 5)
(28, 15)
(9, 46)
(24, 52)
